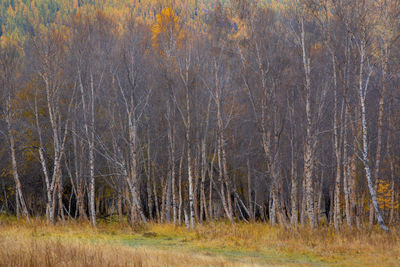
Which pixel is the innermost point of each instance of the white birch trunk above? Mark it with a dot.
(19, 196)
(362, 93)
(338, 154)
(308, 146)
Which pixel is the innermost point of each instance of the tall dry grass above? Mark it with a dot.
(347, 247)
(25, 251)
(79, 244)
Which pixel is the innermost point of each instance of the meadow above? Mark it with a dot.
(212, 244)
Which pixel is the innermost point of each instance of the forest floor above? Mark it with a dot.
(211, 244)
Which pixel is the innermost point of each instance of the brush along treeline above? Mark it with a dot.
(76, 243)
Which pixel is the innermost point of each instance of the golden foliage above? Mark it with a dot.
(10, 11)
(240, 29)
(384, 195)
(7, 42)
(167, 32)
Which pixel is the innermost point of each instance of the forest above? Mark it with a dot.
(187, 112)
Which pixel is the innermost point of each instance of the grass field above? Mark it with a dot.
(216, 244)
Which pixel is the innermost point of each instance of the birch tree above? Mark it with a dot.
(9, 63)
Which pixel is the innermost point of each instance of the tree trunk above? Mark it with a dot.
(346, 178)
(294, 185)
(19, 196)
(156, 199)
(221, 181)
(380, 127)
(172, 187)
(180, 186)
(249, 190)
(79, 180)
(203, 200)
(308, 146)
(337, 142)
(226, 199)
(362, 92)
(148, 182)
(211, 186)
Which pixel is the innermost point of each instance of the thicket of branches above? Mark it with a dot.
(249, 112)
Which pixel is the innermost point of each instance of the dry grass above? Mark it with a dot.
(61, 253)
(22, 250)
(214, 244)
(349, 247)
(345, 248)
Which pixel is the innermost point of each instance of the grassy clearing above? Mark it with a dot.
(214, 244)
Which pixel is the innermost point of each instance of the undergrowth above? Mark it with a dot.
(221, 243)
